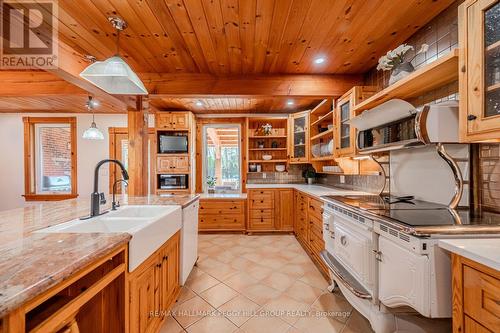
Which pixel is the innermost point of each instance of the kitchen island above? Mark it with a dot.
(32, 263)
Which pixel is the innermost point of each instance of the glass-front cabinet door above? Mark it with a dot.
(345, 133)
(299, 129)
(480, 85)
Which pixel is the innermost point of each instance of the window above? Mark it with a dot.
(222, 157)
(49, 158)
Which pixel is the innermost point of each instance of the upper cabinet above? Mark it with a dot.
(172, 121)
(299, 143)
(345, 138)
(479, 70)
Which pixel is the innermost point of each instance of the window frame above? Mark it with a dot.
(30, 158)
(204, 153)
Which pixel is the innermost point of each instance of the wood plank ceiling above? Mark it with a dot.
(235, 105)
(245, 36)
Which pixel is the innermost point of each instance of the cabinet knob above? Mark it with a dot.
(471, 117)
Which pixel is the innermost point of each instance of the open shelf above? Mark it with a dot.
(322, 119)
(493, 46)
(267, 137)
(267, 161)
(434, 75)
(322, 108)
(323, 134)
(322, 158)
(493, 87)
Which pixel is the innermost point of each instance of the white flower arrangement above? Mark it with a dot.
(396, 57)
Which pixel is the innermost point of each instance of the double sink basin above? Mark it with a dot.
(149, 226)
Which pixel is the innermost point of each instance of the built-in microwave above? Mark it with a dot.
(172, 182)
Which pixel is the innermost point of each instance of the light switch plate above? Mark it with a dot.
(342, 179)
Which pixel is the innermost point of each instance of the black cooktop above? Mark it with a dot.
(415, 213)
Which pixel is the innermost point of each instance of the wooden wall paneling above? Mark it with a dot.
(138, 149)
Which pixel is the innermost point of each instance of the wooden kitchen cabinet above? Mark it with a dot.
(345, 136)
(270, 210)
(479, 63)
(154, 287)
(298, 149)
(173, 164)
(476, 297)
(178, 121)
(222, 215)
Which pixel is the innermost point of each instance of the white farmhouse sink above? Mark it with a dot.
(149, 226)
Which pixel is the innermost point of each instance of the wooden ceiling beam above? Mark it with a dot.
(35, 83)
(165, 85)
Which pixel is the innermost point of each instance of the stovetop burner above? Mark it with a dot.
(415, 213)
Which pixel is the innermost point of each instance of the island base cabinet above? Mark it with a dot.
(476, 297)
(91, 300)
(154, 287)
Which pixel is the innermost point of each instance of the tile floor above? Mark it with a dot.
(259, 284)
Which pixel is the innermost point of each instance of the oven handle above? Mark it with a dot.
(343, 275)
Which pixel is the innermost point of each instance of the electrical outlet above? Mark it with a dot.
(342, 179)
(264, 175)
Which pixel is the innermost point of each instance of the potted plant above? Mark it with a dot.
(395, 60)
(211, 181)
(309, 174)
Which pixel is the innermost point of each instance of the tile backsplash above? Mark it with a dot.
(489, 168)
(293, 175)
(366, 183)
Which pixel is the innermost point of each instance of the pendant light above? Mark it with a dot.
(92, 133)
(114, 75)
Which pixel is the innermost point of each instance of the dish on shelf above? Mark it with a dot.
(280, 167)
(266, 157)
(330, 147)
(316, 150)
(252, 167)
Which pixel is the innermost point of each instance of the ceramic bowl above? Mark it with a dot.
(267, 157)
(316, 150)
(280, 167)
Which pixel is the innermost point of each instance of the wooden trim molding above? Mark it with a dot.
(29, 159)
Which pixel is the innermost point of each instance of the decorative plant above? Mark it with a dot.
(211, 181)
(309, 173)
(396, 57)
(267, 129)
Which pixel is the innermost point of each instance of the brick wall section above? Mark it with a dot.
(55, 143)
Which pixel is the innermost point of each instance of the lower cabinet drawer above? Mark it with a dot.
(482, 298)
(261, 214)
(314, 220)
(222, 207)
(229, 222)
(316, 209)
(316, 238)
(261, 223)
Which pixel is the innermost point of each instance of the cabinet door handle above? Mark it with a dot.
(471, 117)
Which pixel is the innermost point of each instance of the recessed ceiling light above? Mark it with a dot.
(290, 103)
(319, 60)
(199, 103)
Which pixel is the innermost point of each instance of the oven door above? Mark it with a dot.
(353, 249)
(404, 278)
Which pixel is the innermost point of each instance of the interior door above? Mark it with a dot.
(118, 149)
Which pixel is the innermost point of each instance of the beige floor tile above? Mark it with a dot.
(279, 281)
(240, 281)
(221, 272)
(296, 270)
(335, 304)
(358, 324)
(239, 310)
(201, 283)
(318, 324)
(185, 294)
(260, 324)
(274, 263)
(212, 324)
(209, 263)
(303, 292)
(191, 311)
(260, 293)
(315, 279)
(218, 295)
(171, 326)
(286, 308)
(258, 272)
(240, 263)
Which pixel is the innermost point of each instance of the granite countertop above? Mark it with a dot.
(215, 196)
(485, 251)
(313, 190)
(31, 263)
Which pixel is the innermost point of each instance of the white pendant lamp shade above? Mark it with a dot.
(114, 76)
(93, 133)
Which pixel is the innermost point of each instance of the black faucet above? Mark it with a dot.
(115, 204)
(96, 198)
